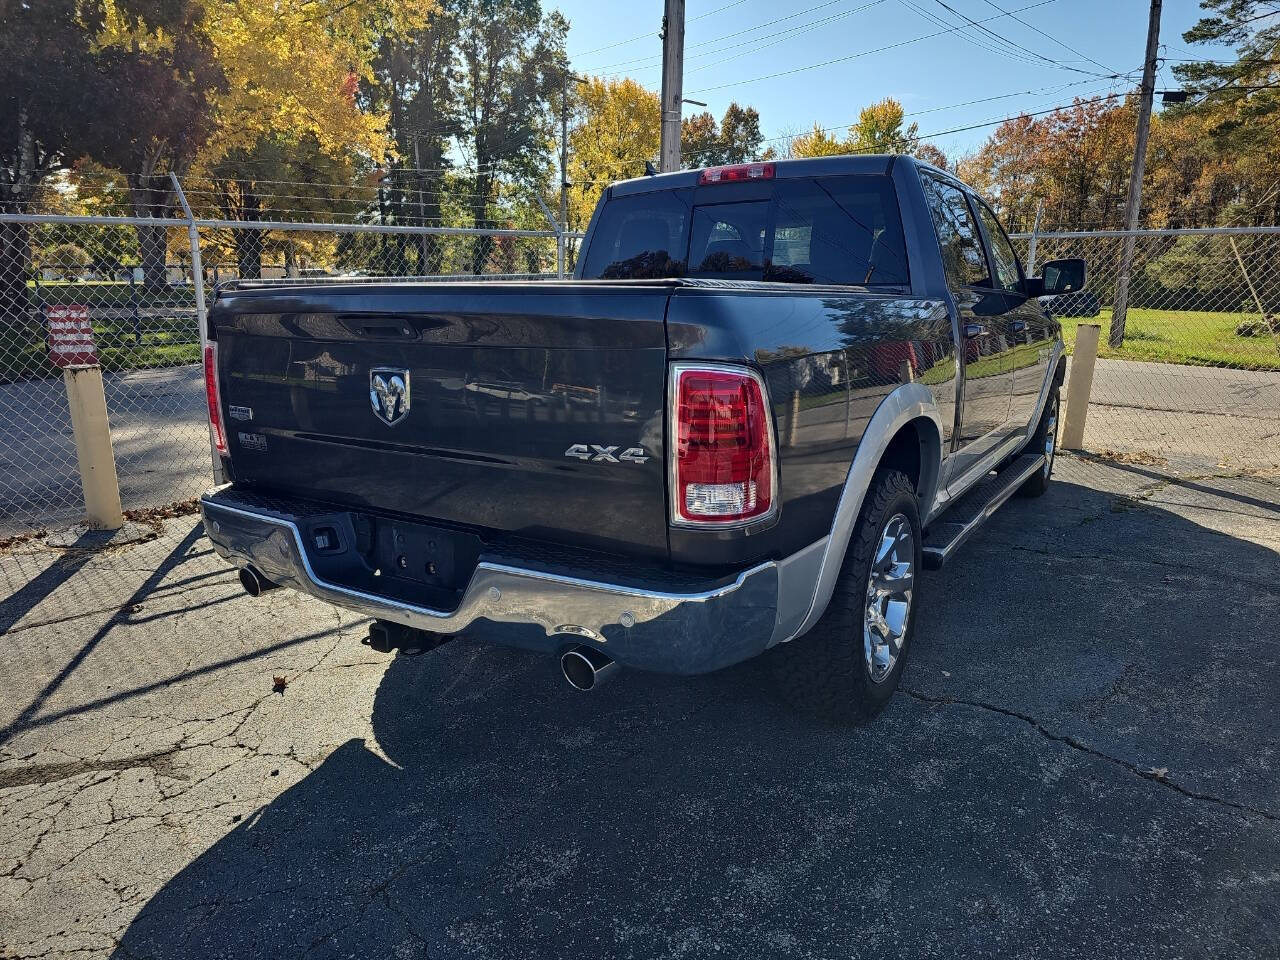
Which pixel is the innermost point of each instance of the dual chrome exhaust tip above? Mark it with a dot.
(254, 583)
(586, 667)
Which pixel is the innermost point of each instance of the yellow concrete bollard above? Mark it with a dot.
(88, 405)
(1078, 390)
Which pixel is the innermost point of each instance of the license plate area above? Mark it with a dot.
(420, 553)
(418, 563)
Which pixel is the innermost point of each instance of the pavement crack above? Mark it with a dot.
(1149, 775)
(161, 761)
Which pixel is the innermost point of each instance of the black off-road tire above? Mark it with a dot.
(825, 671)
(1038, 482)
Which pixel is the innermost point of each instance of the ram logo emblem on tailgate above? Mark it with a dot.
(389, 393)
(601, 454)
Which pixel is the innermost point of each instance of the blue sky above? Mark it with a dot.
(730, 44)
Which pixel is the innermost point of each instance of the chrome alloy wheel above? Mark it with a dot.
(1050, 435)
(889, 588)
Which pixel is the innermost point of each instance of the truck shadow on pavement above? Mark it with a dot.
(1009, 802)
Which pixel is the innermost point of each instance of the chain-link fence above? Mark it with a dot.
(1194, 384)
(144, 314)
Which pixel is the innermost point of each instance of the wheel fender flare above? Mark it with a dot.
(910, 401)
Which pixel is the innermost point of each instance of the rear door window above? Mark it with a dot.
(640, 237)
(1008, 273)
(962, 258)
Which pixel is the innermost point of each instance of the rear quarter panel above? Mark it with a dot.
(829, 356)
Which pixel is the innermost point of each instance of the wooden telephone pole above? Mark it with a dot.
(672, 84)
(1133, 204)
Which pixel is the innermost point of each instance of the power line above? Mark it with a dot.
(855, 56)
(790, 34)
(1002, 39)
(1049, 36)
(1017, 116)
(648, 62)
(998, 121)
(951, 106)
(1003, 50)
(650, 33)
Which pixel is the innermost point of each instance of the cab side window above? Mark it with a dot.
(1008, 274)
(962, 257)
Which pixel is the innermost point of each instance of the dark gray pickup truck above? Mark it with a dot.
(770, 394)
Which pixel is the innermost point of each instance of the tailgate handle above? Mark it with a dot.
(384, 330)
(380, 327)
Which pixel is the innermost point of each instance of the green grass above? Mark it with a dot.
(109, 293)
(25, 360)
(1197, 337)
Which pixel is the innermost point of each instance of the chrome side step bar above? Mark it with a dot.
(953, 528)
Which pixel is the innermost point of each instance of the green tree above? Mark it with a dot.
(700, 143)
(740, 134)
(511, 66)
(158, 103)
(49, 115)
(415, 83)
(735, 139)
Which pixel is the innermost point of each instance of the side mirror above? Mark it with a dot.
(1057, 277)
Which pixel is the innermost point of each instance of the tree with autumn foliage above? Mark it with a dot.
(880, 129)
(619, 128)
(220, 88)
(1074, 160)
(1232, 120)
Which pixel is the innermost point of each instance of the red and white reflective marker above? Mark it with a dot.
(71, 342)
(72, 348)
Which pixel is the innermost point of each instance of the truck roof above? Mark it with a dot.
(802, 167)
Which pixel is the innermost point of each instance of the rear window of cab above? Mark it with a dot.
(828, 230)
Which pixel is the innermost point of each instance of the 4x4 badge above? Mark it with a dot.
(389, 393)
(599, 454)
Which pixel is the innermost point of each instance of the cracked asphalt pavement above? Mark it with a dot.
(1083, 762)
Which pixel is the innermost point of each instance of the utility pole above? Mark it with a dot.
(672, 84)
(1134, 202)
(564, 173)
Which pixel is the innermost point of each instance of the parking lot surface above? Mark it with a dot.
(1084, 761)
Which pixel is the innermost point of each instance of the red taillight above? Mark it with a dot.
(722, 447)
(736, 173)
(211, 395)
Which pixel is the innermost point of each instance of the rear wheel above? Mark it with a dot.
(848, 665)
(1044, 441)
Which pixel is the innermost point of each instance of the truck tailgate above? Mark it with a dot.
(530, 409)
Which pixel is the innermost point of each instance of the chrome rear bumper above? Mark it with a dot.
(670, 631)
